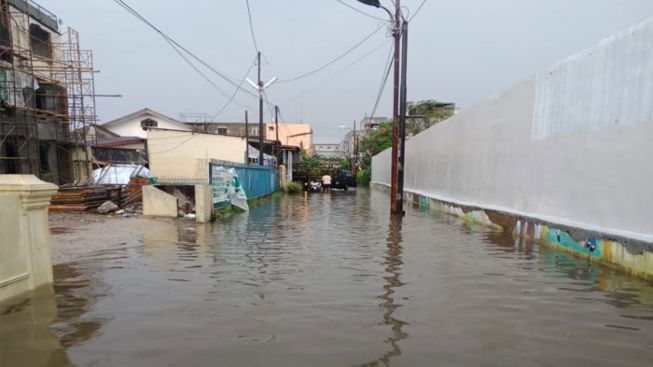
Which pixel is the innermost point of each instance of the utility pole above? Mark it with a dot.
(354, 165)
(261, 130)
(402, 118)
(395, 111)
(247, 136)
(260, 87)
(400, 31)
(276, 129)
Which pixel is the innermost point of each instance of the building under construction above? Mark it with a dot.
(47, 96)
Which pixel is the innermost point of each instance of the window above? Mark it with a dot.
(28, 97)
(50, 97)
(223, 131)
(44, 157)
(253, 131)
(149, 123)
(5, 35)
(40, 41)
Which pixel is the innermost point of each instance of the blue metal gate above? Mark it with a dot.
(256, 180)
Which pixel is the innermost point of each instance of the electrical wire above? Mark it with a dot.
(361, 42)
(251, 25)
(359, 11)
(235, 91)
(140, 17)
(363, 57)
(384, 80)
(176, 146)
(417, 11)
(190, 63)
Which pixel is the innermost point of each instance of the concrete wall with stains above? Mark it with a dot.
(569, 146)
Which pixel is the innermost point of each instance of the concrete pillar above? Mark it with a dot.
(25, 257)
(283, 179)
(203, 203)
(290, 162)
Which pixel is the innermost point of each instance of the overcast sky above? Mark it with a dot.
(461, 51)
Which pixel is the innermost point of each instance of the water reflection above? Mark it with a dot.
(393, 263)
(328, 280)
(621, 290)
(40, 330)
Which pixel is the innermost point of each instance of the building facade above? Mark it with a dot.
(329, 150)
(46, 95)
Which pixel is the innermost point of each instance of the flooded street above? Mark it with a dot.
(328, 280)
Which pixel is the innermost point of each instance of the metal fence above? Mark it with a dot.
(256, 180)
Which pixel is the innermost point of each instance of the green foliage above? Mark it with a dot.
(376, 142)
(424, 114)
(421, 116)
(363, 177)
(307, 169)
(344, 164)
(294, 187)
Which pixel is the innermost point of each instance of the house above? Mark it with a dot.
(43, 73)
(135, 123)
(109, 147)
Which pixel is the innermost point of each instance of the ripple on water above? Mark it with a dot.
(331, 280)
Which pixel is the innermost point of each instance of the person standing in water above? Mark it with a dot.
(326, 183)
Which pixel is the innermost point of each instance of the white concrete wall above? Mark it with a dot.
(158, 203)
(179, 156)
(571, 145)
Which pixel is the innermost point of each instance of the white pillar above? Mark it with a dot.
(25, 256)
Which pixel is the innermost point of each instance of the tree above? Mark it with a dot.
(424, 114)
(371, 145)
(376, 142)
(344, 164)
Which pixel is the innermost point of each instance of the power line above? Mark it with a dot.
(129, 9)
(363, 57)
(204, 76)
(384, 81)
(251, 25)
(334, 60)
(360, 11)
(235, 91)
(418, 9)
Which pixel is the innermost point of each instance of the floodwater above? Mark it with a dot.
(329, 280)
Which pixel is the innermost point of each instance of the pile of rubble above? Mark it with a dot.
(112, 188)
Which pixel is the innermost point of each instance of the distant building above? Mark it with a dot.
(330, 151)
(227, 128)
(350, 142)
(368, 124)
(292, 135)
